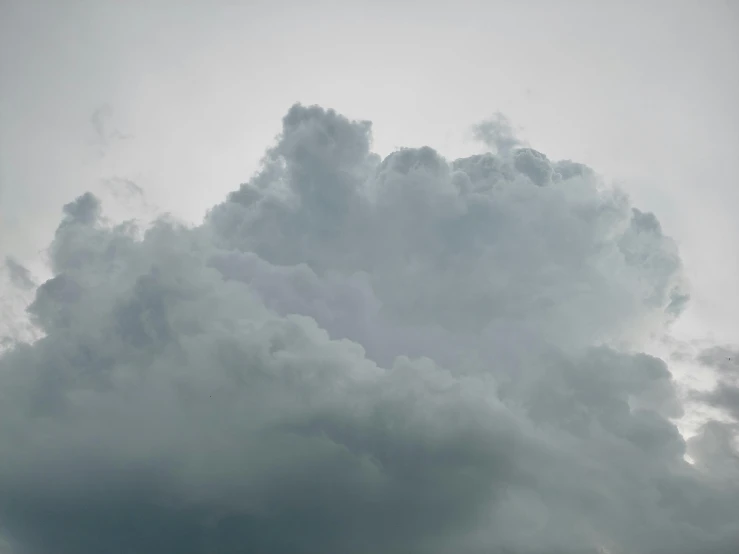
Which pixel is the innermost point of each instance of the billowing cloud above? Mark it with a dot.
(361, 355)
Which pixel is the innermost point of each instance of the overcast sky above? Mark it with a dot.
(369, 349)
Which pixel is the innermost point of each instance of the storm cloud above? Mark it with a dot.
(358, 355)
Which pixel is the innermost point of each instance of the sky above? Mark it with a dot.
(369, 277)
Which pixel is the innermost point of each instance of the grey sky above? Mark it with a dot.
(386, 339)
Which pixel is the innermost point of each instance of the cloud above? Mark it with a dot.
(725, 395)
(123, 189)
(19, 275)
(18, 286)
(101, 125)
(723, 358)
(497, 134)
(358, 355)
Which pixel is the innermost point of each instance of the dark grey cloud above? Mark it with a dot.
(361, 355)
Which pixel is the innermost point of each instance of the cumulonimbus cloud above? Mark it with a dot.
(355, 355)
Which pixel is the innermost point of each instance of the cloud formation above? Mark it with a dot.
(351, 354)
(19, 274)
(724, 360)
(18, 286)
